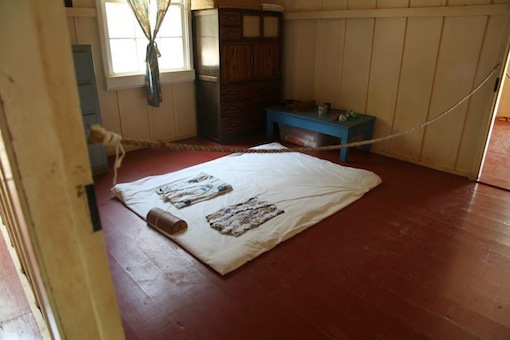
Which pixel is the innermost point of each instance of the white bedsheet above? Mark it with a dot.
(307, 188)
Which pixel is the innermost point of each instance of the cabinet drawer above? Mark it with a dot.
(230, 19)
(87, 98)
(235, 91)
(242, 122)
(230, 33)
(248, 104)
(83, 67)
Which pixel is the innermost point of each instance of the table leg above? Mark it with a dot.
(367, 136)
(269, 127)
(344, 139)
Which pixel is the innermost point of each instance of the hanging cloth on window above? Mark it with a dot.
(141, 10)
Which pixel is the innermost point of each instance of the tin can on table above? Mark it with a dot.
(322, 109)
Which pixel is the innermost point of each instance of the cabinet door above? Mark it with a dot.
(266, 61)
(271, 26)
(251, 26)
(89, 103)
(236, 60)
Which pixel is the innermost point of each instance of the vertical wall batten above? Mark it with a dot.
(389, 36)
(305, 60)
(460, 45)
(404, 62)
(434, 77)
(288, 55)
(416, 79)
(370, 65)
(356, 64)
(318, 57)
(330, 61)
(392, 126)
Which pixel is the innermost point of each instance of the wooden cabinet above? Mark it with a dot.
(89, 103)
(237, 55)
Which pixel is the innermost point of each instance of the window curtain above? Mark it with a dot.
(141, 10)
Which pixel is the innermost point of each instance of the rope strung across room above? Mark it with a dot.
(99, 135)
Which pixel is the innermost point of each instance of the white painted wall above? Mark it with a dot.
(504, 101)
(404, 68)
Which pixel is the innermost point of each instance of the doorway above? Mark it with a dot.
(496, 164)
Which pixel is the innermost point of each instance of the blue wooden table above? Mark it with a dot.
(311, 120)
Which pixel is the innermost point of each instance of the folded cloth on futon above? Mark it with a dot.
(187, 191)
(239, 218)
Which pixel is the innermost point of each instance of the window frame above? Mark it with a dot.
(133, 80)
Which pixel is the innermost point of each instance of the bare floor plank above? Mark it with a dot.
(495, 171)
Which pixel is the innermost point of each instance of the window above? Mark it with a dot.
(124, 44)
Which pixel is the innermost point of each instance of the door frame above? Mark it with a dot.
(505, 59)
(46, 149)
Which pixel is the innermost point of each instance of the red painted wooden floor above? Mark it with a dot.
(424, 255)
(496, 170)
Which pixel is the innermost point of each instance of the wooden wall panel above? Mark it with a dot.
(361, 4)
(356, 66)
(504, 101)
(304, 5)
(72, 30)
(304, 72)
(427, 3)
(184, 110)
(477, 125)
(162, 118)
(133, 113)
(385, 74)
(288, 5)
(392, 3)
(84, 3)
(328, 5)
(329, 61)
(289, 58)
(418, 65)
(456, 66)
(468, 2)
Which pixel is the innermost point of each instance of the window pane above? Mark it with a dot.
(124, 59)
(119, 20)
(171, 53)
(141, 49)
(172, 24)
(138, 30)
(128, 44)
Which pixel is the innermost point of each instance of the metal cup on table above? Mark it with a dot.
(322, 109)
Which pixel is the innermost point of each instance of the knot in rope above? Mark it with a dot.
(98, 134)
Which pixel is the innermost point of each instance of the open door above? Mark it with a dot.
(45, 186)
(495, 165)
